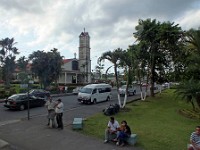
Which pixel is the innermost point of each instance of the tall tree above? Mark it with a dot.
(56, 61)
(127, 62)
(47, 66)
(23, 75)
(7, 58)
(22, 63)
(190, 85)
(163, 42)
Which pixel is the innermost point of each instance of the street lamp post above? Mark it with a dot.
(28, 105)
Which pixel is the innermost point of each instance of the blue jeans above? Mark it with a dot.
(122, 136)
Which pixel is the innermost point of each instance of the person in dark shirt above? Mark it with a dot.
(123, 134)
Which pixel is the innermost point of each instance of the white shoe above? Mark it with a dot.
(117, 143)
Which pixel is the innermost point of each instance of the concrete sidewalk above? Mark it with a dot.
(33, 134)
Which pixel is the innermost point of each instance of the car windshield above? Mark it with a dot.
(16, 97)
(86, 90)
(35, 90)
(123, 87)
(32, 91)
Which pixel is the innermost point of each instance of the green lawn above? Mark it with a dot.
(156, 121)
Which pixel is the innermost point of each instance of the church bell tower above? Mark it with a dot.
(84, 56)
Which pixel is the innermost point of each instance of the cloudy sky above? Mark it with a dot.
(48, 24)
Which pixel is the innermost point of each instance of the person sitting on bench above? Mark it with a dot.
(123, 134)
(113, 127)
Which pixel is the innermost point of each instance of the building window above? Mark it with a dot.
(74, 65)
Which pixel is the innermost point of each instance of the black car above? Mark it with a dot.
(20, 101)
(39, 93)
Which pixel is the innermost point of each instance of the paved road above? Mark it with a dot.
(70, 102)
(32, 134)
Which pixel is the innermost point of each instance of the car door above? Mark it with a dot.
(32, 102)
(95, 95)
(100, 94)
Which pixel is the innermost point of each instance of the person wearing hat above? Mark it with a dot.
(59, 113)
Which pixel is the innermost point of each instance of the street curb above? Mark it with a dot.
(4, 144)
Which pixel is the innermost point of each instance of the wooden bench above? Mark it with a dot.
(77, 123)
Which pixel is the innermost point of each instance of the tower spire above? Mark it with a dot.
(84, 30)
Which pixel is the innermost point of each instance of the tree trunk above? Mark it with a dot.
(127, 84)
(152, 79)
(198, 100)
(117, 84)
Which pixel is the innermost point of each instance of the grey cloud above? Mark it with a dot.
(23, 6)
(139, 8)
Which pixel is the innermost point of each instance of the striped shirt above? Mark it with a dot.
(195, 138)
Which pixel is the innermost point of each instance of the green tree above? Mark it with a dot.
(47, 66)
(163, 43)
(189, 90)
(22, 63)
(127, 62)
(7, 58)
(190, 85)
(99, 67)
(114, 57)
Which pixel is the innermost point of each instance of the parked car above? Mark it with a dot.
(20, 101)
(39, 93)
(76, 90)
(131, 90)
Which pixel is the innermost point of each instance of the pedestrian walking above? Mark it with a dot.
(59, 113)
(50, 105)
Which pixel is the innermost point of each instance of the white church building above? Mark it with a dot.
(78, 70)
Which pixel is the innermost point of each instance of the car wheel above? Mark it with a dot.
(108, 98)
(21, 107)
(94, 101)
(134, 92)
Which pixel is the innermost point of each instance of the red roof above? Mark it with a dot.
(66, 60)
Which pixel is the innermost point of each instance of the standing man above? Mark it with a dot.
(111, 131)
(50, 105)
(195, 140)
(59, 113)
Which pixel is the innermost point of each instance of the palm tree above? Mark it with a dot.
(114, 58)
(190, 91)
(126, 61)
(7, 58)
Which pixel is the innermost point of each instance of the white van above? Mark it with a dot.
(94, 93)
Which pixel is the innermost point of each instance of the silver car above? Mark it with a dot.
(76, 90)
(131, 90)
